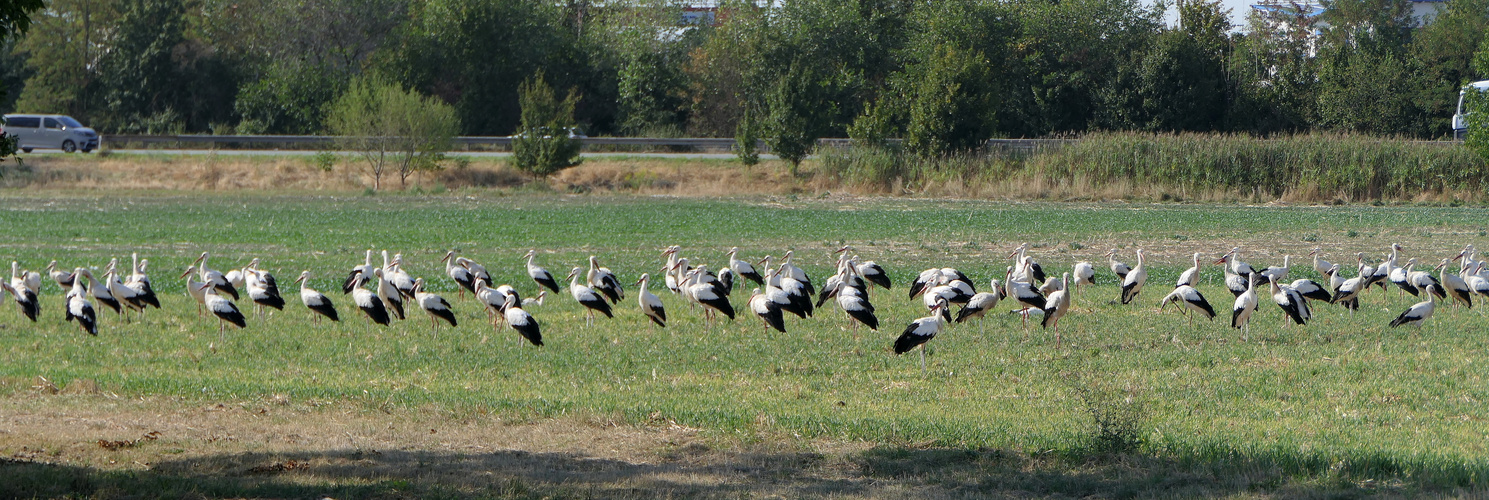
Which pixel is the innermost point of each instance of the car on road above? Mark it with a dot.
(50, 132)
(1460, 125)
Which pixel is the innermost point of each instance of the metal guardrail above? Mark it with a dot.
(467, 142)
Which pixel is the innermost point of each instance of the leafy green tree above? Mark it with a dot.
(543, 146)
(476, 55)
(796, 119)
(1444, 51)
(139, 81)
(62, 52)
(1274, 84)
(1178, 82)
(1476, 106)
(389, 126)
(747, 139)
(286, 100)
(15, 20)
(952, 82)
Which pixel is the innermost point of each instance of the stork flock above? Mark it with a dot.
(381, 293)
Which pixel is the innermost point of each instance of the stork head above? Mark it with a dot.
(52, 266)
(843, 249)
(200, 259)
(765, 261)
(574, 272)
(733, 251)
(189, 271)
(1314, 252)
(253, 264)
(530, 253)
(418, 284)
(448, 255)
(144, 264)
(594, 262)
(204, 287)
(644, 278)
(1459, 256)
(378, 271)
(304, 276)
(463, 262)
(1223, 259)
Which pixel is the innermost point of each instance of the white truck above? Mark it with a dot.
(1460, 126)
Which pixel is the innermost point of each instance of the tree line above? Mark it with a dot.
(943, 75)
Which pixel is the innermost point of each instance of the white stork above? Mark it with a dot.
(1455, 286)
(495, 301)
(318, 304)
(1133, 284)
(796, 273)
(707, 295)
(25, 294)
(193, 288)
(262, 289)
(980, 304)
(920, 331)
(1320, 265)
(522, 322)
(460, 275)
(224, 309)
(651, 305)
(1279, 273)
(477, 271)
(853, 302)
(1476, 280)
(351, 278)
(79, 308)
(437, 307)
(100, 292)
(587, 297)
(744, 269)
(1057, 305)
(389, 295)
(767, 310)
(125, 296)
(1189, 277)
(1347, 293)
(1022, 292)
(216, 279)
(367, 301)
(1188, 297)
(1245, 306)
(539, 275)
(1419, 312)
(1029, 272)
(535, 301)
(1117, 268)
(63, 279)
(604, 281)
(1084, 274)
(1398, 274)
(140, 282)
(400, 279)
(1291, 302)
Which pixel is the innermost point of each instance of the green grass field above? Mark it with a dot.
(1345, 405)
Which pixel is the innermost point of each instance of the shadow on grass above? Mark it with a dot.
(696, 471)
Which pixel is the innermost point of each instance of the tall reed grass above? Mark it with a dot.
(1208, 166)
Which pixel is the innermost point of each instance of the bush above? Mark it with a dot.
(390, 126)
(1118, 415)
(543, 146)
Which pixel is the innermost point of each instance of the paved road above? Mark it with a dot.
(471, 154)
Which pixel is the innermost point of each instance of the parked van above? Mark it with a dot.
(51, 132)
(1460, 127)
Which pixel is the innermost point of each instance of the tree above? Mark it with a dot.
(139, 81)
(543, 145)
(15, 20)
(952, 81)
(747, 139)
(1444, 51)
(388, 125)
(796, 116)
(62, 51)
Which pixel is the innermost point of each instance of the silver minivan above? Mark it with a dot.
(51, 132)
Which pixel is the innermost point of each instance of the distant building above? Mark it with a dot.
(1303, 18)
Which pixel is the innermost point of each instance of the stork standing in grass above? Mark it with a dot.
(460, 275)
(1418, 313)
(1244, 307)
(587, 297)
(979, 305)
(63, 279)
(1455, 286)
(1291, 303)
(539, 275)
(743, 268)
(651, 305)
(213, 277)
(707, 295)
(1055, 308)
(1190, 277)
(318, 304)
(604, 281)
(1133, 284)
(767, 310)
(522, 322)
(437, 307)
(853, 302)
(193, 289)
(390, 296)
(100, 292)
(1117, 268)
(1084, 274)
(25, 295)
(1189, 298)
(1320, 265)
(367, 301)
(920, 331)
(224, 309)
(78, 307)
(262, 289)
(140, 282)
(352, 277)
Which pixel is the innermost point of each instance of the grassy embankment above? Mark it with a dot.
(1343, 405)
(1132, 167)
